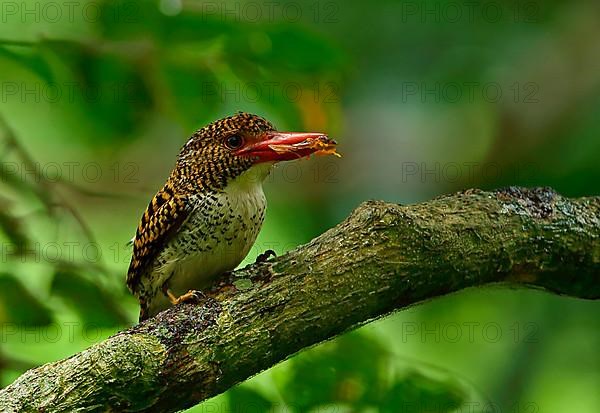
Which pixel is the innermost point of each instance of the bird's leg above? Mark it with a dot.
(192, 296)
(265, 256)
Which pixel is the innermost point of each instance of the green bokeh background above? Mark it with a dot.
(424, 98)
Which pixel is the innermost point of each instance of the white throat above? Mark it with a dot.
(250, 180)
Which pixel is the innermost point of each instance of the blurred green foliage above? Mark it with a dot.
(424, 97)
(354, 373)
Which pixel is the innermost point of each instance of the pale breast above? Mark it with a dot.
(215, 238)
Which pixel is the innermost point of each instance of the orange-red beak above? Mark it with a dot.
(286, 146)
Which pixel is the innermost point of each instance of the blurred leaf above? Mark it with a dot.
(355, 370)
(244, 399)
(109, 85)
(94, 305)
(18, 306)
(288, 51)
(349, 370)
(29, 58)
(194, 92)
(124, 19)
(416, 393)
(13, 229)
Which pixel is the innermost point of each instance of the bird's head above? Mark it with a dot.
(229, 147)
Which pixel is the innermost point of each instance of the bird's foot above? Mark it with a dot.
(192, 296)
(265, 256)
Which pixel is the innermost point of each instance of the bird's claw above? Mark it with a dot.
(265, 256)
(192, 296)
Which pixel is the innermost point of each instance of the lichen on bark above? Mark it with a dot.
(382, 258)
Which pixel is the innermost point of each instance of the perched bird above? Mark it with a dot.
(205, 219)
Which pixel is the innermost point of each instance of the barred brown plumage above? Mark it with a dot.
(207, 216)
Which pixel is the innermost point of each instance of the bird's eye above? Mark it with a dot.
(234, 141)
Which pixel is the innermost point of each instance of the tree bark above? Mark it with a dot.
(382, 258)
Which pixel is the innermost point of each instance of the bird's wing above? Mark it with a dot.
(161, 220)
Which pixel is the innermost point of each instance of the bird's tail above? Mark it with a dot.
(151, 306)
(144, 311)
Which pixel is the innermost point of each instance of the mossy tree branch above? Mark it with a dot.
(382, 258)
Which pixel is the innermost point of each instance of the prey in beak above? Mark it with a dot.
(286, 146)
